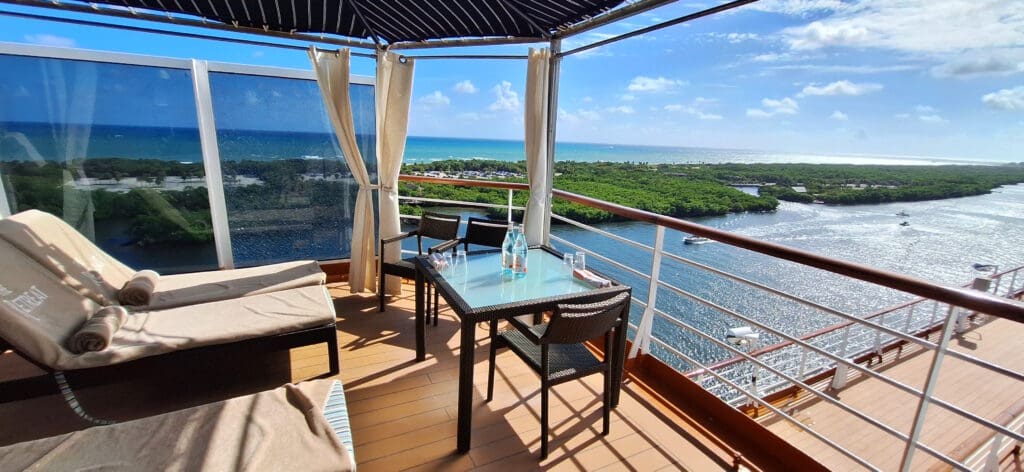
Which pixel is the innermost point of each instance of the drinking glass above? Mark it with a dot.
(567, 262)
(448, 261)
(461, 262)
(580, 261)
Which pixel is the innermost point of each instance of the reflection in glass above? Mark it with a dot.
(288, 190)
(112, 149)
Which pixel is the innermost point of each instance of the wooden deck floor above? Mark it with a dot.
(403, 413)
(977, 390)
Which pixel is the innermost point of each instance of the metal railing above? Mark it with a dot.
(802, 361)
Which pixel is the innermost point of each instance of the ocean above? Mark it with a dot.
(182, 145)
(943, 238)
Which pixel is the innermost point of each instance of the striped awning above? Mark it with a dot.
(390, 21)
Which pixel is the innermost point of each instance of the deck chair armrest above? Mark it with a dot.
(445, 246)
(398, 237)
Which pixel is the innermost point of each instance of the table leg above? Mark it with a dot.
(466, 348)
(619, 357)
(421, 349)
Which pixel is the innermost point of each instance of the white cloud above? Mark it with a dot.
(465, 86)
(901, 116)
(798, 7)
(642, 83)
(624, 109)
(578, 116)
(771, 107)
(434, 99)
(507, 99)
(587, 99)
(50, 40)
(1006, 99)
(925, 109)
(842, 87)
(839, 116)
(940, 31)
(846, 69)
(627, 97)
(736, 37)
(695, 109)
(982, 63)
(931, 118)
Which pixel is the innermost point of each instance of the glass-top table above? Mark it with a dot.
(477, 292)
(480, 284)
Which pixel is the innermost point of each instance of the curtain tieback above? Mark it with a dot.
(386, 188)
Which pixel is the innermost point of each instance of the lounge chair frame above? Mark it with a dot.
(42, 385)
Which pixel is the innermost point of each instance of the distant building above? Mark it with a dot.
(799, 189)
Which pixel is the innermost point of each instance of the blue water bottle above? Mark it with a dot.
(519, 254)
(506, 252)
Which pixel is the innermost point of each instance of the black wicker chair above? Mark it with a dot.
(432, 225)
(484, 232)
(556, 352)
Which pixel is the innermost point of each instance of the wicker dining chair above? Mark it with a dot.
(556, 352)
(484, 232)
(432, 225)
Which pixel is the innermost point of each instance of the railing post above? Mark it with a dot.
(211, 165)
(803, 364)
(642, 340)
(841, 372)
(995, 290)
(509, 205)
(929, 387)
(878, 335)
(910, 316)
(935, 313)
(992, 461)
(1013, 283)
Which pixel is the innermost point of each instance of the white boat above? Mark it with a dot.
(695, 240)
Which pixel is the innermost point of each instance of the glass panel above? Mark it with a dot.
(288, 190)
(113, 150)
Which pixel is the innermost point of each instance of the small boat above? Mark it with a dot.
(903, 213)
(905, 223)
(695, 240)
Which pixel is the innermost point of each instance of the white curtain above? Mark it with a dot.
(332, 74)
(536, 138)
(393, 94)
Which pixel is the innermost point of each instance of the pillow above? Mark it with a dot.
(139, 289)
(97, 332)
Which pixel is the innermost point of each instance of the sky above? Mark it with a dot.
(885, 77)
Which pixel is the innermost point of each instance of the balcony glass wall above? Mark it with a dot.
(288, 190)
(113, 149)
(111, 144)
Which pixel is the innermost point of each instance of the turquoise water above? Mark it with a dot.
(182, 145)
(423, 149)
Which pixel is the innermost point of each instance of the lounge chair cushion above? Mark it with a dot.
(153, 332)
(38, 313)
(280, 429)
(199, 287)
(60, 248)
(88, 269)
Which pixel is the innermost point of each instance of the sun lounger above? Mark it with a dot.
(295, 427)
(39, 314)
(82, 265)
